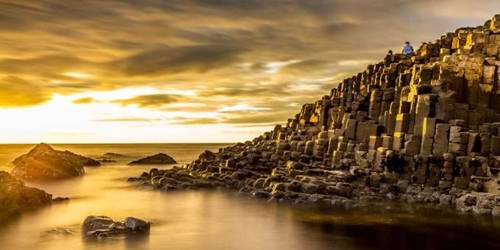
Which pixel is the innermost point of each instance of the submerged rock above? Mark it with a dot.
(45, 163)
(102, 227)
(16, 197)
(58, 231)
(155, 159)
(60, 199)
(107, 161)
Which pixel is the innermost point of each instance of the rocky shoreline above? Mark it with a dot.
(421, 129)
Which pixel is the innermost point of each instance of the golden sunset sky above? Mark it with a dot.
(193, 71)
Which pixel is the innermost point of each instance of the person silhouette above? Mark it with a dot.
(408, 49)
(389, 58)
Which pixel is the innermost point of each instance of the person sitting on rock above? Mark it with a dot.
(389, 58)
(408, 49)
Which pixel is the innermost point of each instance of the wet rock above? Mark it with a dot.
(102, 227)
(45, 163)
(261, 194)
(466, 203)
(107, 161)
(137, 225)
(60, 199)
(57, 232)
(309, 188)
(16, 197)
(157, 159)
(111, 155)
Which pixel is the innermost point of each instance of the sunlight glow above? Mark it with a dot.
(241, 107)
(77, 75)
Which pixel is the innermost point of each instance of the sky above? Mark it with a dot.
(193, 70)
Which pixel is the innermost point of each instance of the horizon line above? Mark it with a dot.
(102, 143)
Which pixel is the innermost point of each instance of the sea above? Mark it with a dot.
(218, 219)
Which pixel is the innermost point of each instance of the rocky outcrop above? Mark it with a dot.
(157, 159)
(110, 157)
(421, 128)
(16, 197)
(45, 163)
(103, 227)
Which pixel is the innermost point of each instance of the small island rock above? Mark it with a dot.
(45, 163)
(109, 155)
(155, 159)
(102, 227)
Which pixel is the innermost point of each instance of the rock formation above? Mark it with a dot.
(422, 128)
(16, 197)
(45, 163)
(102, 227)
(155, 159)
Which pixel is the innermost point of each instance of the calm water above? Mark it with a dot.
(221, 220)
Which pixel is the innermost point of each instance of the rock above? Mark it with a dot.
(466, 203)
(106, 161)
(137, 225)
(111, 155)
(102, 227)
(93, 223)
(60, 199)
(207, 155)
(309, 188)
(16, 197)
(45, 163)
(261, 194)
(159, 159)
(57, 231)
(445, 200)
(496, 211)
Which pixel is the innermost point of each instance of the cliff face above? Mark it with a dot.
(439, 110)
(422, 128)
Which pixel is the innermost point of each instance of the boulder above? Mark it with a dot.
(45, 163)
(16, 197)
(103, 227)
(207, 155)
(159, 159)
(137, 225)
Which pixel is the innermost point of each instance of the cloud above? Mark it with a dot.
(17, 92)
(84, 100)
(167, 60)
(271, 56)
(196, 121)
(149, 101)
(311, 67)
(128, 119)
